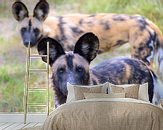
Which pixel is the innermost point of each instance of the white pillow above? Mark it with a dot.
(143, 92)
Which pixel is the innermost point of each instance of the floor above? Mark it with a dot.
(15, 121)
(17, 126)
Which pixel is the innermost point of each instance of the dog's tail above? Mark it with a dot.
(157, 90)
(158, 32)
(158, 45)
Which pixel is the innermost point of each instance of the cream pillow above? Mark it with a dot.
(103, 95)
(130, 91)
(137, 91)
(76, 92)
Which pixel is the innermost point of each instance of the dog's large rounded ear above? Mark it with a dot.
(41, 10)
(87, 46)
(55, 49)
(19, 11)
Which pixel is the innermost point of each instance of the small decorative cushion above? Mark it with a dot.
(103, 95)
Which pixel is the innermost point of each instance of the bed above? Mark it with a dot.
(105, 114)
(125, 107)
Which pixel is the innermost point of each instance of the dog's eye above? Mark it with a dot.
(23, 30)
(79, 69)
(36, 31)
(61, 70)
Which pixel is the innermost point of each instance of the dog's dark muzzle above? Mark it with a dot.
(29, 38)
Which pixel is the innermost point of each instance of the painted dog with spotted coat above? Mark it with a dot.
(113, 30)
(73, 67)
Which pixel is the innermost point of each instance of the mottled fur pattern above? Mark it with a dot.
(113, 30)
(73, 67)
(124, 71)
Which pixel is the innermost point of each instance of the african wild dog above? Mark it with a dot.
(113, 30)
(31, 27)
(73, 67)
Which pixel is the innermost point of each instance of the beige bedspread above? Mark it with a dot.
(106, 114)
